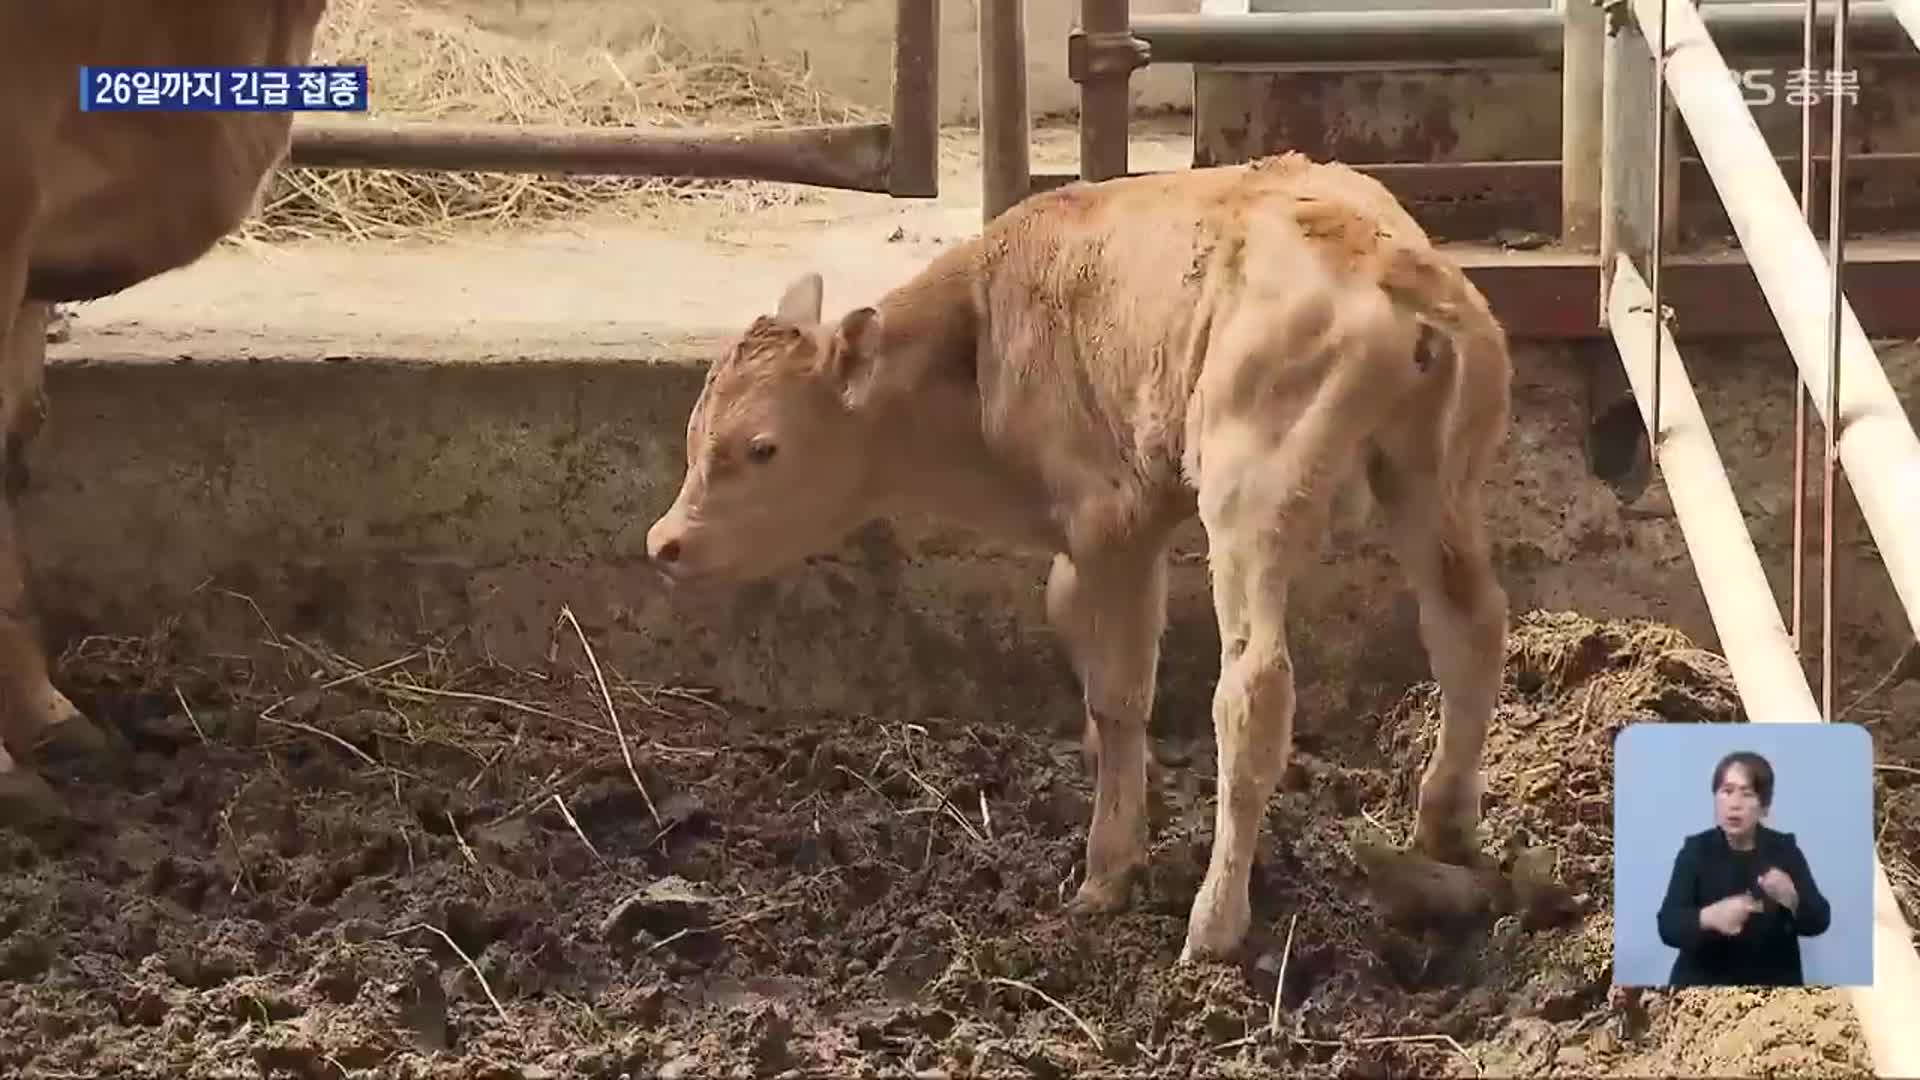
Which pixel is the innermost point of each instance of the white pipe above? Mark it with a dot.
(1876, 442)
(1766, 673)
(1908, 12)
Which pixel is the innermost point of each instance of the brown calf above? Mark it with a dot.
(91, 203)
(1102, 363)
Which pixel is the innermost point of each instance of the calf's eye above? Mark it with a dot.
(760, 451)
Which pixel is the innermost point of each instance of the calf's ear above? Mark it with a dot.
(800, 304)
(856, 345)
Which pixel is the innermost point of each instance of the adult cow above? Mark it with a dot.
(1252, 344)
(91, 203)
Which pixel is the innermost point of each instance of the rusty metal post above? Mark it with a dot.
(1101, 57)
(1626, 152)
(1582, 109)
(914, 172)
(1006, 173)
(853, 157)
(1630, 98)
(1670, 182)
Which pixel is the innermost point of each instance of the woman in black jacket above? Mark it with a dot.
(1741, 895)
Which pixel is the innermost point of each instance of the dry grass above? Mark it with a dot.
(434, 65)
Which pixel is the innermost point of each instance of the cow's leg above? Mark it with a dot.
(1440, 541)
(35, 715)
(20, 789)
(1110, 608)
(32, 712)
(1265, 500)
(29, 705)
(23, 391)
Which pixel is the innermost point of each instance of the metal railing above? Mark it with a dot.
(1110, 43)
(1662, 47)
(899, 157)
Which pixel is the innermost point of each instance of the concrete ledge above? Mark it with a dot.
(369, 503)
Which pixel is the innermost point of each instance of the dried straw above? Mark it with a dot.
(429, 64)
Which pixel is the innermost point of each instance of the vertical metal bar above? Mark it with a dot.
(1670, 203)
(1655, 255)
(1795, 620)
(915, 169)
(1104, 97)
(1626, 184)
(1582, 114)
(1006, 172)
(1836, 256)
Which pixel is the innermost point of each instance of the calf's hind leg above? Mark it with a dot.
(1110, 607)
(1439, 539)
(1265, 505)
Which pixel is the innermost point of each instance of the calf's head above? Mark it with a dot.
(778, 448)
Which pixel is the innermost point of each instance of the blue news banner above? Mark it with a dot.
(332, 88)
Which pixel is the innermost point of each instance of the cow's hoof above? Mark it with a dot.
(1102, 895)
(75, 736)
(25, 798)
(76, 740)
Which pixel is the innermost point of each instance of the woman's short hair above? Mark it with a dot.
(1758, 770)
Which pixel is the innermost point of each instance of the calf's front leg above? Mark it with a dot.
(1111, 609)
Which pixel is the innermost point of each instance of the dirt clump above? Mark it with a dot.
(425, 870)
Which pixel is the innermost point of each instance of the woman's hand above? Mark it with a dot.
(1776, 884)
(1728, 916)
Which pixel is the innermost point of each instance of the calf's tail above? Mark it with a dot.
(1439, 294)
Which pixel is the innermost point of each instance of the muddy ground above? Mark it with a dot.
(796, 894)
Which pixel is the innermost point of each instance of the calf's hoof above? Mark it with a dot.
(1454, 840)
(1453, 849)
(1446, 825)
(1104, 895)
(1215, 932)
